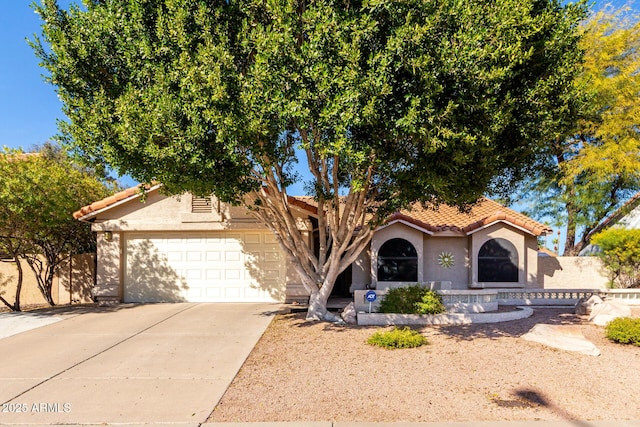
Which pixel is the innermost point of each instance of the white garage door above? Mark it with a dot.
(203, 267)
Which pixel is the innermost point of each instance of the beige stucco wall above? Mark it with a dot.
(76, 279)
(571, 273)
(80, 270)
(464, 273)
(361, 271)
(458, 274)
(30, 294)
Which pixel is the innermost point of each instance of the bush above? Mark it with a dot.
(624, 330)
(431, 304)
(398, 338)
(620, 254)
(412, 300)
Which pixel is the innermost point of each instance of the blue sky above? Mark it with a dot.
(29, 107)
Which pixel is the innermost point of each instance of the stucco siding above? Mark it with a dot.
(63, 291)
(361, 271)
(571, 273)
(458, 273)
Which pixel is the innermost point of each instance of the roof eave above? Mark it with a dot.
(91, 213)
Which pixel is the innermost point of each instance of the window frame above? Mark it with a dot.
(497, 263)
(397, 263)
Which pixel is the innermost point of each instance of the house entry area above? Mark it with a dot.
(203, 267)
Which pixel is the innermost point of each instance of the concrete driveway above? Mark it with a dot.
(157, 363)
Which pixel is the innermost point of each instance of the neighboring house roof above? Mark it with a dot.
(617, 216)
(546, 252)
(427, 217)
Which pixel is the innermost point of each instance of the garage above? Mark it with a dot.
(220, 266)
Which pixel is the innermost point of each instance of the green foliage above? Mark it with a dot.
(38, 194)
(438, 97)
(620, 253)
(398, 338)
(414, 299)
(431, 303)
(588, 173)
(624, 330)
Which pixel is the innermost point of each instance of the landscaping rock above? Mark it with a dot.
(607, 311)
(584, 306)
(564, 337)
(349, 314)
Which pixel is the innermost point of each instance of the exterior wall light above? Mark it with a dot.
(108, 236)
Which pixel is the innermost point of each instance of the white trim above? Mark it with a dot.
(90, 215)
(504, 222)
(408, 224)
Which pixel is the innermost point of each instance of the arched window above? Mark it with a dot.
(397, 262)
(498, 262)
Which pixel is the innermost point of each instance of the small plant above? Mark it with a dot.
(624, 330)
(431, 304)
(398, 338)
(412, 300)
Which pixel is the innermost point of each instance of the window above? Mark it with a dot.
(397, 262)
(497, 262)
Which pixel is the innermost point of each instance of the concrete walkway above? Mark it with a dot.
(130, 364)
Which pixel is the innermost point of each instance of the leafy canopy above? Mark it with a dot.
(590, 172)
(38, 194)
(216, 96)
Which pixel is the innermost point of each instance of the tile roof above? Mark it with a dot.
(114, 199)
(449, 218)
(443, 218)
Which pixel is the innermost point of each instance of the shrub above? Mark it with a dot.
(431, 304)
(398, 338)
(412, 300)
(625, 330)
(620, 254)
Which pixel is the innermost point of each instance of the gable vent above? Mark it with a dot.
(201, 205)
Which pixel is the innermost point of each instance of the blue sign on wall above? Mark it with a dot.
(371, 296)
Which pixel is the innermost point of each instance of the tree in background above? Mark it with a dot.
(38, 194)
(583, 178)
(390, 102)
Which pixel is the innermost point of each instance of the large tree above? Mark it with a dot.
(583, 178)
(38, 194)
(389, 102)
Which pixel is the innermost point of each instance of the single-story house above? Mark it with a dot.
(184, 248)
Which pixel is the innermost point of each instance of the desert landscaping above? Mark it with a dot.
(314, 371)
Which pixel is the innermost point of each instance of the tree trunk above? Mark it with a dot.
(569, 242)
(16, 305)
(318, 301)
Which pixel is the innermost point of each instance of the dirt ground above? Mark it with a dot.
(306, 371)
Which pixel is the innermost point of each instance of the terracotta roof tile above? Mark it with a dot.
(481, 214)
(111, 200)
(440, 219)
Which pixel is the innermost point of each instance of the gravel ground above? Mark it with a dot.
(302, 371)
